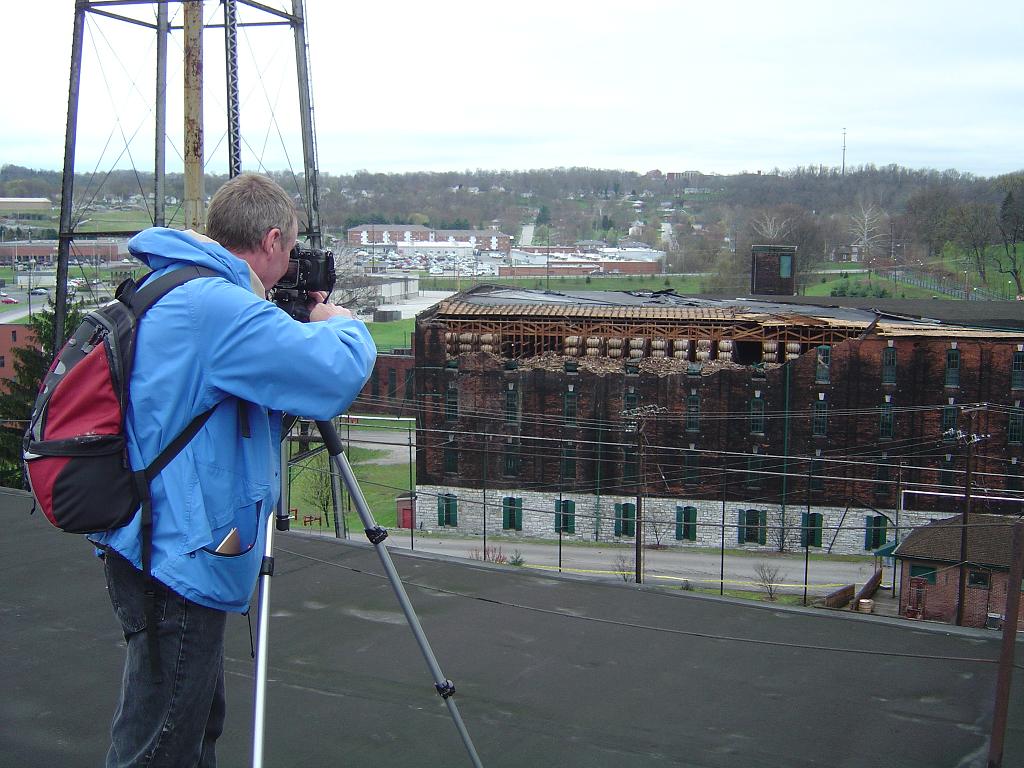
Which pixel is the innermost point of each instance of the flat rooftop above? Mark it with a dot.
(549, 670)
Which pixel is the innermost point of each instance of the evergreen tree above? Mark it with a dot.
(17, 395)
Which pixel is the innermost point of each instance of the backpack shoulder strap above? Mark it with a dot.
(139, 298)
(142, 297)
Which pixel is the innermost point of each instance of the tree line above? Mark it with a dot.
(884, 216)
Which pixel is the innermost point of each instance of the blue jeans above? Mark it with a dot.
(176, 722)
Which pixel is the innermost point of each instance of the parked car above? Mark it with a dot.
(39, 292)
(8, 300)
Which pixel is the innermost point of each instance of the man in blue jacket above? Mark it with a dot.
(214, 342)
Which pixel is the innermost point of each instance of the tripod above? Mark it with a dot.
(376, 534)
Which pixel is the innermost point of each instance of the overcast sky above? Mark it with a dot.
(407, 85)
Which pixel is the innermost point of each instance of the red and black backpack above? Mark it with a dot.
(74, 451)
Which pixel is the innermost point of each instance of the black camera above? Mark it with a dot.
(309, 269)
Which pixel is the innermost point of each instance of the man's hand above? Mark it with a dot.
(319, 311)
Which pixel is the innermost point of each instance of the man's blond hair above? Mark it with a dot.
(245, 208)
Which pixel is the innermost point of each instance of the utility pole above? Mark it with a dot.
(641, 415)
(1005, 673)
(639, 502)
(807, 528)
(485, 495)
(632, 420)
(721, 573)
(560, 516)
(412, 487)
(969, 439)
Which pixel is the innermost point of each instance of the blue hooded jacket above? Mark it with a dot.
(214, 342)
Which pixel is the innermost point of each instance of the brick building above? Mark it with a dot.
(760, 422)
(13, 335)
(773, 270)
(45, 251)
(390, 390)
(930, 572)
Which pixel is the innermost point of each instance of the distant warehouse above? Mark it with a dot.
(391, 236)
(38, 205)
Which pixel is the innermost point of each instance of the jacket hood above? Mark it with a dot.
(159, 247)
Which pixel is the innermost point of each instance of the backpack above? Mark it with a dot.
(74, 453)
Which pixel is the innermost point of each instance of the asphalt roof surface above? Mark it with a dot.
(550, 671)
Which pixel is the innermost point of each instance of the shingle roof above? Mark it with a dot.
(988, 540)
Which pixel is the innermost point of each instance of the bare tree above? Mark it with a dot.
(769, 577)
(1011, 231)
(771, 227)
(353, 287)
(625, 568)
(658, 527)
(867, 228)
(928, 213)
(318, 485)
(782, 533)
(974, 227)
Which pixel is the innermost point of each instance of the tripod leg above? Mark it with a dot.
(340, 524)
(263, 622)
(377, 535)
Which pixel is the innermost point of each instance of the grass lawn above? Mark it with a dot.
(130, 221)
(380, 484)
(900, 291)
(759, 596)
(397, 333)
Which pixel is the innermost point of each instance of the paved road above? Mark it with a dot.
(394, 441)
(698, 569)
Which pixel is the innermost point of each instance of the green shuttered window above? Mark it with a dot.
(625, 519)
(447, 510)
(686, 523)
(512, 513)
(565, 516)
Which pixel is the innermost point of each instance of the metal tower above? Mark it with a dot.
(193, 27)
